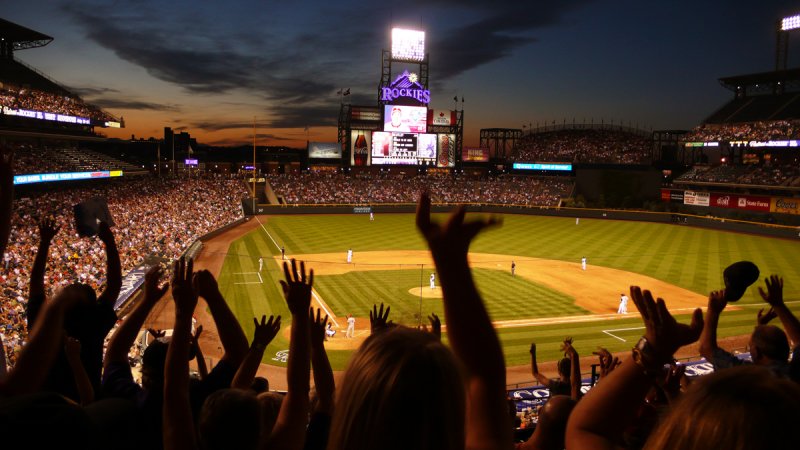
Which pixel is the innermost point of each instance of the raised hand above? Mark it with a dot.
(48, 228)
(672, 380)
(377, 319)
(206, 284)
(774, 294)
(765, 318)
(296, 288)
(152, 291)
(184, 286)
(104, 232)
(533, 348)
(196, 338)
(317, 326)
(607, 362)
(717, 302)
(265, 331)
(455, 236)
(156, 334)
(663, 332)
(436, 325)
(566, 345)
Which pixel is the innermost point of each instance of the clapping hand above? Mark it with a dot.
(377, 319)
(454, 237)
(607, 362)
(184, 286)
(717, 302)
(317, 325)
(774, 293)
(152, 291)
(206, 284)
(436, 325)
(765, 318)
(663, 332)
(296, 288)
(265, 331)
(48, 228)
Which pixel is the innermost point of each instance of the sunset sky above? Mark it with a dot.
(209, 67)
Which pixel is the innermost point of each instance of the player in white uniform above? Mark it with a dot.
(371, 216)
(583, 263)
(433, 285)
(260, 264)
(577, 220)
(623, 304)
(351, 326)
(349, 255)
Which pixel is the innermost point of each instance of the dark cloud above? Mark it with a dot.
(87, 91)
(211, 125)
(121, 103)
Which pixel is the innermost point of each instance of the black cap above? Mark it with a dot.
(738, 277)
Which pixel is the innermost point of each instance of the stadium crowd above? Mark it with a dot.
(403, 388)
(584, 145)
(337, 187)
(762, 131)
(783, 175)
(155, 218)
(59, 103)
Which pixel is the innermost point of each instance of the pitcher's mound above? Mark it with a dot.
(427, 292)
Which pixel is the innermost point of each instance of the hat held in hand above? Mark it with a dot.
(738, 277)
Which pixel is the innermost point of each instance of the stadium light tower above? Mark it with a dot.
(785, 26)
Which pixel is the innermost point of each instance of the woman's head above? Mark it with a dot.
(745, 407)
(403, 389)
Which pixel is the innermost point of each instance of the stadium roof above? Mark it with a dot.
(768, 78)
(22, 37)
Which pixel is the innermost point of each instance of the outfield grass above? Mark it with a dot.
(691, 258)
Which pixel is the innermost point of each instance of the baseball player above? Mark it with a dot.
(583, 263)
(577, 220)
(371, 216)
(623, 304)
(351, 326)
(433, 284)
(283, 253)
(260, 263)
(349, 255)
(513, 267)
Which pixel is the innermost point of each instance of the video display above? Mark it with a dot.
(403, 148)
(405, 119)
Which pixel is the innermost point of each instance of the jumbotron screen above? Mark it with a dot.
(403, 148)
(405, 119)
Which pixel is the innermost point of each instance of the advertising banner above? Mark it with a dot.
(426, 147)
(671, 196)
(365, 114)
(324, 150)
(746, 202)
(359, 147)
(696, 198)
(785, 205)
(130, 283)
(447, 150)
(473, 154)
(441, 117)
(65, 176)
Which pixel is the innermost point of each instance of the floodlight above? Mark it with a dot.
(408, 45)
(790, 23)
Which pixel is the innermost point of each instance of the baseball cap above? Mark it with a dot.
(738, 277)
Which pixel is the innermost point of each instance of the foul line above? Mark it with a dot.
(260, 280)
(608, 332)
(268, 235)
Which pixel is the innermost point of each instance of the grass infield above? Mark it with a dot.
(691, 258)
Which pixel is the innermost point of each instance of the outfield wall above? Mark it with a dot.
(715, 223)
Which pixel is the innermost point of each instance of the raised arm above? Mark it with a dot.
(264, 334)
(540, 377)
(202, 368)
(708, 339)
(179, 431)
(575, 369)
(233, 339)
(72, 348)
(774, 296)
(323, 374)
(469, 328)
(123, 338)
(6, 196)
(600, 418)
(289, 430)
(113, 266)
(48, 228)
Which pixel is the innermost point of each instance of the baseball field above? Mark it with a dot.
(549, 297)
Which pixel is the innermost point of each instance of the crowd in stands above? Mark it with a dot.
(154, 218)
(338, 188)
(762, 131)
(784, 175)
(403, 387)
(59, 103)
(34, 159)
(606, 146)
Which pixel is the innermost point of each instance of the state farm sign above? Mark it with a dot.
(747, 202)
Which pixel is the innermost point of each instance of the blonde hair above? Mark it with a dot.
(745, 407)
(403, 389)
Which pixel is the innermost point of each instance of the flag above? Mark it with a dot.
(191, 152)
(339, 92)
(347, 92)
(455, 99)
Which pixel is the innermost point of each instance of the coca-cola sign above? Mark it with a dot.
(406, 86)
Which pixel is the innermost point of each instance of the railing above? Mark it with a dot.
(564, 125)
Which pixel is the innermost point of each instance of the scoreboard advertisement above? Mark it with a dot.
(403, 148)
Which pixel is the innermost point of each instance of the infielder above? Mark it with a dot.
(583, 263)
(433, 285)
(351, 326)
(513, 267)
(623, 304)
(349, 255)
(260, 263)
(577, 220)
